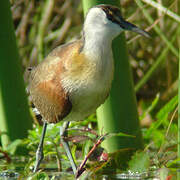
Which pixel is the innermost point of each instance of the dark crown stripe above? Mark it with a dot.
(113, 14)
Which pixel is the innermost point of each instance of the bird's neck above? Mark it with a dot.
(97, 43)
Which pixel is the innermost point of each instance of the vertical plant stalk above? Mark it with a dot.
(178, 173)
(45, 18)
(119, 112)
(15, 117)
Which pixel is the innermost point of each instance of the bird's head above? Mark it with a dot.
(107, 19)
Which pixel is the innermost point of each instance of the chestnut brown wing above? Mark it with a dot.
(46, 90)
(51, 100)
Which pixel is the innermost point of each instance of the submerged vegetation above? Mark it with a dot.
(40, 26)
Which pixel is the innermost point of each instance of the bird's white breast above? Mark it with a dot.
(89, 89)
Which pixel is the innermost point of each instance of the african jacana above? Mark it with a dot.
(75, 78)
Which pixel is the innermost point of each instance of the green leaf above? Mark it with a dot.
(169, 107)
(39, 176)
(13, 146)
(120, 134)
(151, 107)
(86, 146)
(162, 115)
(173, 163)
(140, 162)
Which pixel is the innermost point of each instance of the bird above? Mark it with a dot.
(75, 78)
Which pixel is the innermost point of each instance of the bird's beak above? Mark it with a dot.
(131, 27)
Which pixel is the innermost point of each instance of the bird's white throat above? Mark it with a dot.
(98, 33)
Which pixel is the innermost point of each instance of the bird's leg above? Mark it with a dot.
(39, 153)
(64, 134)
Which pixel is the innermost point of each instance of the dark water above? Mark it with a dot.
(9, 175)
